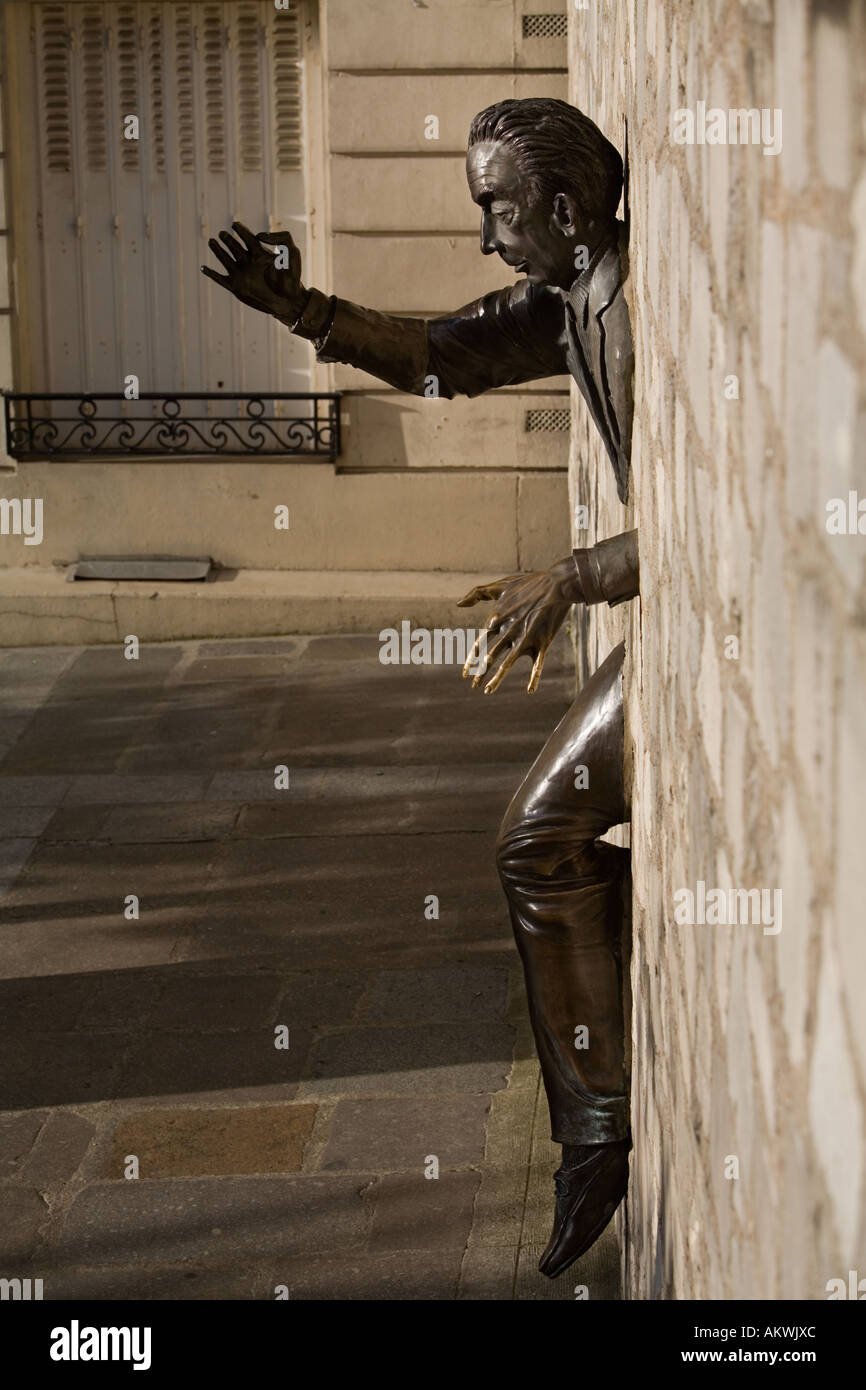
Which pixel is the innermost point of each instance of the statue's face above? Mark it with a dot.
(538, 240)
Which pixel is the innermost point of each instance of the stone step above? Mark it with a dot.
(38, 607)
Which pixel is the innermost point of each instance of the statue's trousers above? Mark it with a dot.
(564, 893)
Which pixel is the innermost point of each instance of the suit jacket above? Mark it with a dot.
(518, 334)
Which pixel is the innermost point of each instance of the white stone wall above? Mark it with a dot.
(749, 770)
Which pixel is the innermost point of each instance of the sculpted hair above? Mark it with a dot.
(557, 149)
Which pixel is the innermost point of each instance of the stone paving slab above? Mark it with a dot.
(166, 1221)
(394, 1135)
(406, 1275)
(264, 1171)
(187, 1282)
(189, 1068)
(59, 1150)
(207, 1143)
(419, 1213)
(434, 1058)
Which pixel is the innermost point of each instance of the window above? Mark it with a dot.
(110, 232)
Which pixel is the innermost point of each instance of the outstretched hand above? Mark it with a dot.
(530, 609)
(252, 275)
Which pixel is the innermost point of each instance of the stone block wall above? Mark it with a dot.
(746, 677)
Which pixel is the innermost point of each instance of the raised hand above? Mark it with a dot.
(529, 612)
(252, 275)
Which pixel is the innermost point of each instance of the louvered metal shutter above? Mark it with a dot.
(122, 225)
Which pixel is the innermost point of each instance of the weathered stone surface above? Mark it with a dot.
(41, 1069)
(201, 1067)
(117, 1223)
(206, 1143)
(308, 914)
(23, 822)
(383, 1135)
(404, 1275)
(412, 1211)
(59, 1150)
(24, 1215)
(17, 1134)
(451, 992)
(439, 1057)
(185, 1282)
(748, 347)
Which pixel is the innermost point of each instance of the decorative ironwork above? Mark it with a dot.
(81, 426)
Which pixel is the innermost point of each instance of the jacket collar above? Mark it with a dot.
(600, 281)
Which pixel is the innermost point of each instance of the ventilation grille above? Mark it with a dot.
(545, 26)
(54, 55)
(556, 420)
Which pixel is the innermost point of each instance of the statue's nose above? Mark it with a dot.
(487, 243)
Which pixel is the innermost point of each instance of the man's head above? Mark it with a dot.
(547, 182)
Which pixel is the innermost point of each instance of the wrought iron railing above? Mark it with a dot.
(98, 424)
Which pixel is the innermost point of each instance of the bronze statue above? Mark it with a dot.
(548, 184)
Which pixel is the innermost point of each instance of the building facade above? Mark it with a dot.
(347, 125)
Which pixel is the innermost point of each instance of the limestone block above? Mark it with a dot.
(834, 1108)
(398, 431)
(791, 81)
(542, 519)
(709, 700)
(836, 410)
(407, 194)
(800, 926)
(832, 41)
(850, 802)
(388, 112)
(388, 34)
(803, 427)
(699, 342)
(858, 260)
(414, 274)
(771, 317)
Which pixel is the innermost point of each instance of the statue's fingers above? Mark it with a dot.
(276, 239)
(212, 275)
(472, 658)
(505, 667)
(237, 248)
(480, 594)
(250, 240)
(222, 255)
(485, 593)
(535, 674)
(489, 656)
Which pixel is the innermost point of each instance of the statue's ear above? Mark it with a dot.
(565, 214)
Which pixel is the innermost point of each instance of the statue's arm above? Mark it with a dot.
(510, 336)
(503, 339)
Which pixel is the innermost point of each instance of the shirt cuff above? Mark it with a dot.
(315, 319)
(609, 572)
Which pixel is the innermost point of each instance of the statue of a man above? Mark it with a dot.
(548, 184)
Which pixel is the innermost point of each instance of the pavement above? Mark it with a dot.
(263, 1031)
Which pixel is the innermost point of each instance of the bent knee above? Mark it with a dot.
(530, 851)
